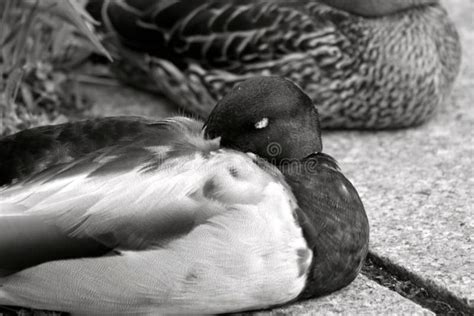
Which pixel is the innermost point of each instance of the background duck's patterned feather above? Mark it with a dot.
(382, 72)
(218, 34)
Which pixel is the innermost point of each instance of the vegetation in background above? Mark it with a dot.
(41, 41)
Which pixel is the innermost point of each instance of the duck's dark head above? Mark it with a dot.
(268, 116)
(333, 220)
(270, 111)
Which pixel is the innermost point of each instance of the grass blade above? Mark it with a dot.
(13, 84)
(73, 13)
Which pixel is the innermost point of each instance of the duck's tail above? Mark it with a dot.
(123, 19)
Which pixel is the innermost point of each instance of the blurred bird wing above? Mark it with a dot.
(180, 230)
(220, 33)
(132, 196)
(189, 232)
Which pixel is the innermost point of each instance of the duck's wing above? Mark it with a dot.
(220, 34)
(178, 235)
(33, 150)
(118, 197)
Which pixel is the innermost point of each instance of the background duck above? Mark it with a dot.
(170, 221)
(367, 64)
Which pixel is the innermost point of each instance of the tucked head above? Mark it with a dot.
(268, 116)
(274, 119)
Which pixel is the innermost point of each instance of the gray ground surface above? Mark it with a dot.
(417, 186)
(362, 297)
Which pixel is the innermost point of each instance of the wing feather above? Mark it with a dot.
(105, 197)
(176, 238)
(34, 150)
(219, 34)
(110, 200)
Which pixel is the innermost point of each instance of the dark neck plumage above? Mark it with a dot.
(333, 220)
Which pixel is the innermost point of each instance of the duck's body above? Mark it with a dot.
(183, 230)
(367, 64)
(167, 221)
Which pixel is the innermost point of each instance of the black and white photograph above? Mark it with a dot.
(243, 157)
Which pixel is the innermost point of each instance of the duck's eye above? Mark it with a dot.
(262, 123)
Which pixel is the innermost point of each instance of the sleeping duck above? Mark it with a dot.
(367, 64)
(135, 216)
